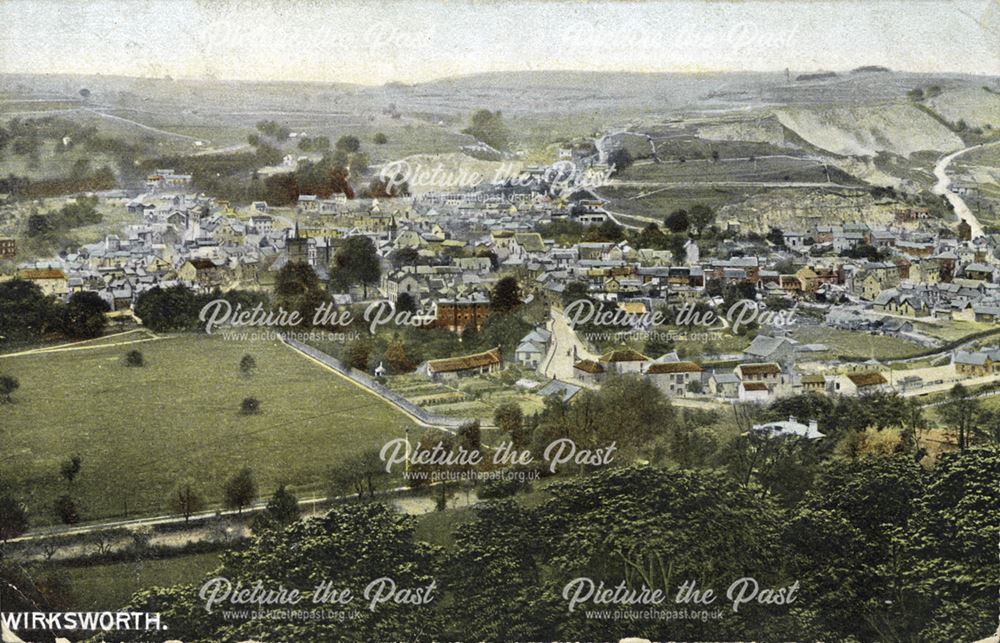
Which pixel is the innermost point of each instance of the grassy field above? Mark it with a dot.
(658, 203)
(140, 430)
(109, 587)
(766, 169)
(855, 344)
(951, 330)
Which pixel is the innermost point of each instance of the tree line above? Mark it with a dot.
(881, 549)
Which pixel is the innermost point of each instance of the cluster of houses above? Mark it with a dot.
(750, 381)
(443, 253)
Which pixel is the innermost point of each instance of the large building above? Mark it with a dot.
(457, 314)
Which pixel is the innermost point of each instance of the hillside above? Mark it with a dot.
(867, 130)
(974, 105)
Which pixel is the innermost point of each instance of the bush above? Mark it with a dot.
(8, 384)
(135, 358)
(502, 488)
(247, 365)
(66, 510)
(250, 406)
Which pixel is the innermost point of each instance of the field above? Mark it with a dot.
(140, 430)
(766, 169)
(659, 203)
(855, 344)
(951, 330)
(109, 587)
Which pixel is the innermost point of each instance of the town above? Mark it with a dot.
(911, 282)
(369, 309)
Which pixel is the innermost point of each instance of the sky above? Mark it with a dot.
(372, 42)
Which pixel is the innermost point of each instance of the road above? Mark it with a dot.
(943, 187)
(205, 525)
(565, 349)
(149, 128)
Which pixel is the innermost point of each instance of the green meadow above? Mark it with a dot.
(139, 430)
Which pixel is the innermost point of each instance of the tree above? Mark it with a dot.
(358, 164)
(673, 521)
(66, 510)
(949, 549)
(607, 231)
(405, 303)
(103, 541)
(26, 313)
(70, 469)
(382, 188)
(165, 309)
(404, 257)
(620, 159)
(359, 474)
(470, 436)
(677, 221)
(509, 419)
(380, 138)
(247, 365)
(297, 288)
(356, 261)
(397, 358)
(488, 127)
(83, 316)
(652, 237)
(13, 518)
(351, 546)
(283, 507)
(359, 354)
(135, 359)
(250, 406)
(185, 500)
(348, 143)
(961, 413)
(8, 384)
(840, 545)
(701, 217)
(240, 490)
(506, 296)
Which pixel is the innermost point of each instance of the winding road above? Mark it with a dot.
(943, 187)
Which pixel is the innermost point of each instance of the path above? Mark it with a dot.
(943, 187)
(667, 185)
(76, 346)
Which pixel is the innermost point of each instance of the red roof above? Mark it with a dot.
(589, 366)
(42, 273)
(673, 367)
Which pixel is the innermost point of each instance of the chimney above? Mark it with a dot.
(813, 427)
(791, 418)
